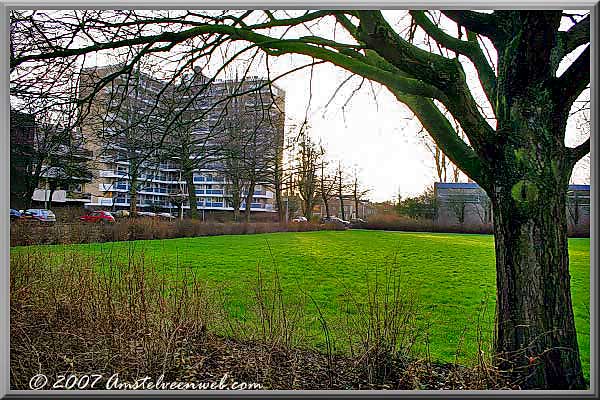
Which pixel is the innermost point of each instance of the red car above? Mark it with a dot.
(98, 216)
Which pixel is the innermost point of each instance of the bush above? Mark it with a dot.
(24, 233)
(399, 223)
(393, 222)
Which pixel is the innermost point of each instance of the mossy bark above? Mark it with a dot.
(535, 328)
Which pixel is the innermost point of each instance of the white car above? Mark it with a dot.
(145, 214)
(38, 214)
(165, 215)
(299, 219)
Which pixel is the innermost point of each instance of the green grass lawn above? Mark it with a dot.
(452, 275)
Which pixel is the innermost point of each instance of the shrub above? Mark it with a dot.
(399, 223)
(23, 233)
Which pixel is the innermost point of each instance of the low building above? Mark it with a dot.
(578, 206)
(365, 208)
(464, 204)
(467, 204)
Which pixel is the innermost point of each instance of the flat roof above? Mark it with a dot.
(472, 185)
(457, 185)
(579, 187)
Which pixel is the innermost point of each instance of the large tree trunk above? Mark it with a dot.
(529, 171)
(535, 329)
(535, 336)
(535, 332)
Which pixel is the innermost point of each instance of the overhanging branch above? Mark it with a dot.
(483, 24)
(577, 35)
(577, 153)
(574, 80)
(468, 49)
(444, 135)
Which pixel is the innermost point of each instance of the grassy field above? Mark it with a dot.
(452, 276)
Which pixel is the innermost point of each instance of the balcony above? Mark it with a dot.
(255, 206)
(114, 174)
(260, 193)
(168, 166)
(209, 179)
(155, 190)
(106, 201)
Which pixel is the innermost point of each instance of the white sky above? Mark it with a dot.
(377, 136)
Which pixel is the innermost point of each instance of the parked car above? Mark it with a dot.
(299, 219)
(357, 222)
(98, 216)
(335, 220)
(39, 214)
(165, 215)
(14, 214)
(120, 214)
(145, 214)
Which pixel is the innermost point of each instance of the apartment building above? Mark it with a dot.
(155, 142)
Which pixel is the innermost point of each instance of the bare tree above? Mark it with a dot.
(192, 143)
(233, 155)
(342, 187)
(250, 136)
(483, 208)
(308, 159)
(128, 124)
(458, 206)
(262, 152)
(327, 182)
(441, 161)
(358, 193)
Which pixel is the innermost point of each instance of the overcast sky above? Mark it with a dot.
(373, 132)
